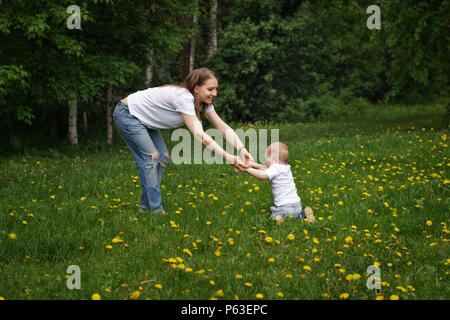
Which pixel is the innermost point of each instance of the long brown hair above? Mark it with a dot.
(196, 78)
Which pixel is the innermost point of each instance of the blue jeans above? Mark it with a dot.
(149, 151)
(284, 211)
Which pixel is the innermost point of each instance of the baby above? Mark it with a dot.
(278, 172)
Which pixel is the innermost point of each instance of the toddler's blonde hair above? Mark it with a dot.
(278, 150)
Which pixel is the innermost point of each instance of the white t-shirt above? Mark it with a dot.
(283, 185)
(160, 107)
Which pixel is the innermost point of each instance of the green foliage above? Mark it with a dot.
(274, 62)
(417, 38)
(52, 65)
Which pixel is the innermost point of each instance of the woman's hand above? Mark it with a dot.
(246, 156)
(239, 165)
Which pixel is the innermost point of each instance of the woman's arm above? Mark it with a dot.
(228, 134)
(196, 128)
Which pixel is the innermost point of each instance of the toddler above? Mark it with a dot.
(278, 172)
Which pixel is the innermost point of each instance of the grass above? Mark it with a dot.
(379, 187)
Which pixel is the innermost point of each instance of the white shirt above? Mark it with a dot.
(283, 186)
(160, 107)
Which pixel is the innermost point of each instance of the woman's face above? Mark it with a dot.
(207, 91)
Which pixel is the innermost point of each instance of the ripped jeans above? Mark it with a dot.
(150, 153)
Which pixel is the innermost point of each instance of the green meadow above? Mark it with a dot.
(378, 185)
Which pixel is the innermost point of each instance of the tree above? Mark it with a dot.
(212, 32)
(113, 47)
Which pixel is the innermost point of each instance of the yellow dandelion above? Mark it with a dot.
(344, 295)
(12, 236)
(291, 236)
(268, 239)
(135, 295)
(259, 296)
(96, 296)
(395, 297)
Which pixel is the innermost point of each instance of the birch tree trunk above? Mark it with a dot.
(212, 34)
(193, 42)
(149, 73)
(85, 124)
(73, 131)
(109, 110)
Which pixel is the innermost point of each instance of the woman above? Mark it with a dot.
(140, 117)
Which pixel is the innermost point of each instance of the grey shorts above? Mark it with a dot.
(285, 211)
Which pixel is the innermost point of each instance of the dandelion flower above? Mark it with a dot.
(259, 296)
(344, 295)
(268, 239)
(12, 236)
(96, 296)
(135, 295)
(395, 297)
(291, 236)
(429, 223)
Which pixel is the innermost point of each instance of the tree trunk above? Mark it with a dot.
(149, 73)
(109, 110)
(193, 42)
(73, 132)
(85, 124)
(212, 34)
